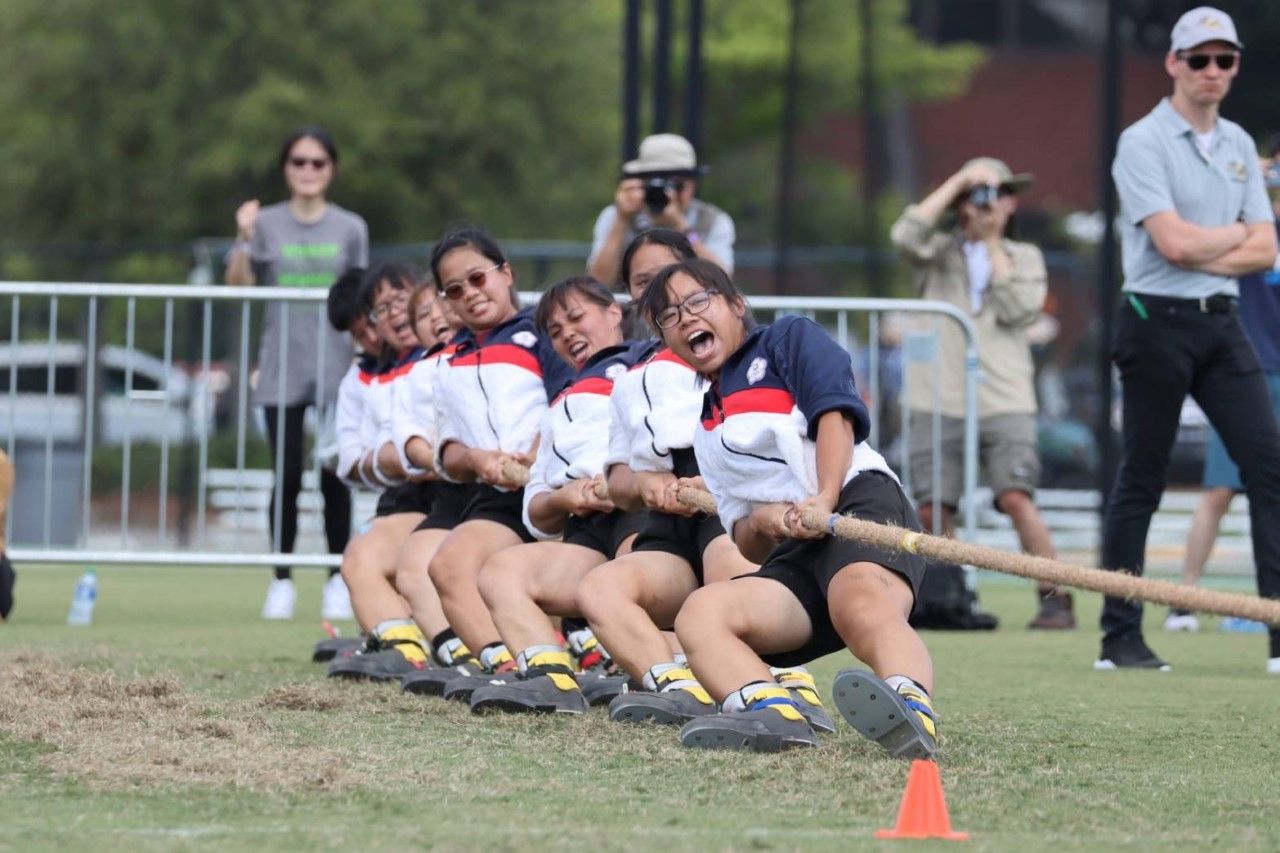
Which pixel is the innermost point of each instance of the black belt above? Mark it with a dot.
(1219, 303)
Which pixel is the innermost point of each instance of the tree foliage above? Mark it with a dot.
(147, 121)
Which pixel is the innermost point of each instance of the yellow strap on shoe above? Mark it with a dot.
(915, 697)
(682, 678)
(558, 666)
(408, 640)
(795, 678)
(775, 698)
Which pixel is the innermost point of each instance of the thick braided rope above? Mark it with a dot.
(1118, 584)
(1056, 572)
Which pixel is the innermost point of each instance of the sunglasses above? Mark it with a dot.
(693, 304)
(1200, 61)
(476, 278)
(316, 163)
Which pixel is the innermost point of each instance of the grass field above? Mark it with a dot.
(179, 719)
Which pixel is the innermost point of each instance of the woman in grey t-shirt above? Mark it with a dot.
(303, 242)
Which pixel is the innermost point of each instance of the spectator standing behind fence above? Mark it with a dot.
(1195, 217)
(1260, 316)
(657, 191)
(1002, 285)
(303, 242)
(6, 569)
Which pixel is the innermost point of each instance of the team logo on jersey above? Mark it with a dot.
(1237, 170)
(524, 339)
(756, 371)
(613, 371)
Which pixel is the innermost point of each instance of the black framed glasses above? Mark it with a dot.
(694, 303)
(1200, 61)
(400, 300)
(476, 278)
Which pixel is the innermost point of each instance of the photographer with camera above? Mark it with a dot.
(1002, 285)
(657, 191)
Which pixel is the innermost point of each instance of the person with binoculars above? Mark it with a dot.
(1002, 285)
(657, 191)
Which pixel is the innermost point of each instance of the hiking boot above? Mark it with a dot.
(764, 730)
(282, 595)
(900, 721)
(1128, 652)
(543, 690)
(1056, 613)
(1181, 620)
(601, 689)
(333, 647)
(432, 682)
(336, 600)
(387, 664)
(669, 707)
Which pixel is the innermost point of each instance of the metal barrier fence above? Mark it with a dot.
(121, 456)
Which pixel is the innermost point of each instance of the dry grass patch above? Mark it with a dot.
(115, 731)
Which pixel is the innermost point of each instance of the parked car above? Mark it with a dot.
(158, 402)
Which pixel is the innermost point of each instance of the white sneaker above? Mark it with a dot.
(337, 600)
(1273, 666)
(281, 596)
(1176, 622)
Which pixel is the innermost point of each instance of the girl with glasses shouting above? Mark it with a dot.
(491, 399)
(306, 241)
(783, 431)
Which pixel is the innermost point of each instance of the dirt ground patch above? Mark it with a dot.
(117, 731)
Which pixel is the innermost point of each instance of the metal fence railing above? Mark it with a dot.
(130, 422)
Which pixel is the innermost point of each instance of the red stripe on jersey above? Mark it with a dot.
(366, 378)
(395, 372)
(773, 401)
(593, 385)
(669, 355)
(499, 354)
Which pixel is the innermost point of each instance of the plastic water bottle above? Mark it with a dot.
(85, 597)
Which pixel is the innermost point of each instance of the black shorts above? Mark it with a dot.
(603, 532)
(446, 507)
(406, 497)
(505, 508)
(806, 566)
(686, 537)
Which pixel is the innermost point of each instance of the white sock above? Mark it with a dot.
(650, 679)
(896, 682)
(522, 659)
(388, 624)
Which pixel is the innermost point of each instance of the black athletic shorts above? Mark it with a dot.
(603, 532)
(505, 508)
(406, 497)
(806, 566)
(446, 507)
(685, 536)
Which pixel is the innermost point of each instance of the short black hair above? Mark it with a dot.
(346, 299)
(311, 131)
(557, 296)
(400, 276)
(476, 238)
(709, 276)
(675, 241)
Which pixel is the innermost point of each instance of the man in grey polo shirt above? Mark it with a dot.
(1195, 216)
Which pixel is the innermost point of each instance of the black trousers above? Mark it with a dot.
(337, 498)
(1180, 350)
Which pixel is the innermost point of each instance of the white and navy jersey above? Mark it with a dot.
(655, 410)
(575, 427)
(414, 413)
(377, 415)
(497, 386)
(349, 419)
(760, 418)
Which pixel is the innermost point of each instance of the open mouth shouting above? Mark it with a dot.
(701, 343)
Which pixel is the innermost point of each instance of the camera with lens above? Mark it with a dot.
(658, 193)
(983, 196)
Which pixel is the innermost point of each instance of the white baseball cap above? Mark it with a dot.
(1203, 24)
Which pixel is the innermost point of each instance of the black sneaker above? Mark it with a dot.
(1129, 652)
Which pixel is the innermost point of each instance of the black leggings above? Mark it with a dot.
(337, 498)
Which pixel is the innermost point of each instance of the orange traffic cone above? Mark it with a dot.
(923, 813)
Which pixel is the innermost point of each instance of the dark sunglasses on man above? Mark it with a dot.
(1200, 61)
